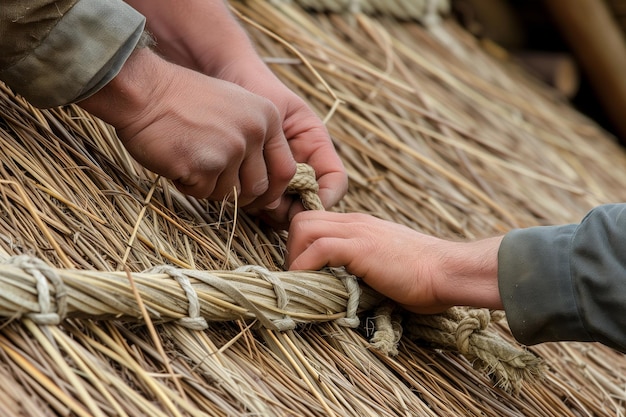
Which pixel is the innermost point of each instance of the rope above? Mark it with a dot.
(278, 300)
(193, 321)
(282, 299)
(465, 330)
(388, 329)
(42, 274)
(304, 183)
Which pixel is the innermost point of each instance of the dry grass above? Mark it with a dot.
(435, 134)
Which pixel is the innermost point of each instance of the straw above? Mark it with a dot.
(448, 140)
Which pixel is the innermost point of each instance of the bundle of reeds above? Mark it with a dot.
(440, 137)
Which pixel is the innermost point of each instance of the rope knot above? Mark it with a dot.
(282, 299)
(305, 184)
(476, 320)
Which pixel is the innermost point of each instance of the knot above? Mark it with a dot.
(282, 299)
(305, 184)
(475, 320)
(43, 273)
(194, 321)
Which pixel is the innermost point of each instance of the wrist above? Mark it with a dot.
(470, 272)
(127, 97)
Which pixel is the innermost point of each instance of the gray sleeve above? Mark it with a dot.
(568, 282)
(84, 50)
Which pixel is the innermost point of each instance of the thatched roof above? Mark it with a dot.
(435, 133)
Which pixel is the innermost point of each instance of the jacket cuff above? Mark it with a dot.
(536, 287)
(83, 52)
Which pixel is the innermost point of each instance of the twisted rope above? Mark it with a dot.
(194, 321)
(465, 330)
(282, 299)
(42, 274)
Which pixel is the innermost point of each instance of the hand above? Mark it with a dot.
(422, 273)
(205, 37)
(307, 136)
(209, 136)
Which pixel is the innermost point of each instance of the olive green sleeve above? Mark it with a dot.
(560, 283)
(60, 52)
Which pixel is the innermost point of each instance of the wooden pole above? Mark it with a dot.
(599, 46)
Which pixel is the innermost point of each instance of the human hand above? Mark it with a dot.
(422, 273)
(207, 135)
(307, 136)
(205, 36)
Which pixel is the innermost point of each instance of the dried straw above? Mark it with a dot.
(401, 9)
(445, 139)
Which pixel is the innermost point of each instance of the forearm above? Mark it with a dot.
(470, 274)
(129, 94)
(201, 35)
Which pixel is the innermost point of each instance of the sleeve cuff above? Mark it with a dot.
(536, 287)
(82, 53)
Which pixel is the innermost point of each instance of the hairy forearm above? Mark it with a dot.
(199, 34)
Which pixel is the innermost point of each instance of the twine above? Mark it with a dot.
(43, 273)
(282, 299)
(194, 321)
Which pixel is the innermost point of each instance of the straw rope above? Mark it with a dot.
(465, 330)
(421, 10)
(278, 300)
(304, 183)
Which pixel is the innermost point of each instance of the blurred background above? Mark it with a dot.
(577, 46)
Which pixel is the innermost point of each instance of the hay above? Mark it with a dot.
(402, 9)
(447, 140)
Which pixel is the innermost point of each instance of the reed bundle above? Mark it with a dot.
(439, 136)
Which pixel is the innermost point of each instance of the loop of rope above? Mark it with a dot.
(43, 273)
(282, 299)
(354, 292)
(305, 184)
(194, 321)
(233, 292)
